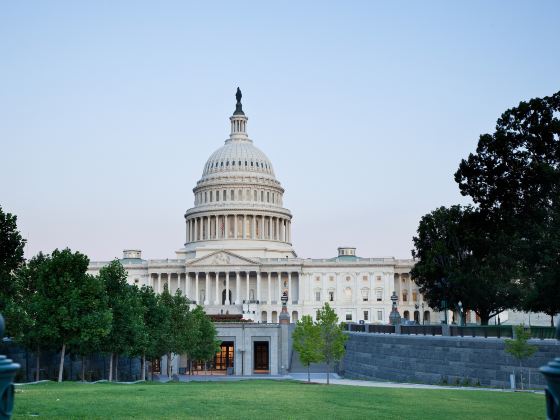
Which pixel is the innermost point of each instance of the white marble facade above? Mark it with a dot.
(238, 238)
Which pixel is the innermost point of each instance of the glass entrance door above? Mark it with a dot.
(260, 357)
(224, 358)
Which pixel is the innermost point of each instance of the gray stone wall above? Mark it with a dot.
(437, 360)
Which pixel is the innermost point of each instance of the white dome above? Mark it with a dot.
(238, 156)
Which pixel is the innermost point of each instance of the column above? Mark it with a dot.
(196, 228)
(262, 227)
(279, 277)
(244, 230)
(247, 278)
(207, 293)
(196, 289)
(254, 223)
(227, 288)
(237, 287)
(187, 231)
(225, 226)
(217, 279)
(235, 226)
(301, 291)
(258, 297)
(269, 288)
(159, 283)
(290, 297)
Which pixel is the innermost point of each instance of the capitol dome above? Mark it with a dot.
(238, 202)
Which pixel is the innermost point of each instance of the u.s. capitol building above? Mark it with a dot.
(238, 256)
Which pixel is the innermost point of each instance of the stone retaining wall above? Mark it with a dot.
(437, 360)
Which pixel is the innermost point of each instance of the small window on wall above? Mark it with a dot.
(224, 194)
(331, 296)
(255, 195)
(366, 315)
(379, 295)
(405, 296)
(378, 278)
(415, 296)
(317, 296)
(262, 196)
(232, 195)
(380, 315)
(365, 294)
(348, 316)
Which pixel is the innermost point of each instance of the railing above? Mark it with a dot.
(485, 331)
(422, 329)
(381, 329)
(543, 332)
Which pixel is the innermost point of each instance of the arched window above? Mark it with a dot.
(263, 317)
(365, 294)
(406, 315)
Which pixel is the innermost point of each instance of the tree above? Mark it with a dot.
(520, 348)
(153, 316)
(166, 337)
(127, 326)
(332, 336)
(37, 334)
(205, 345)
(306, 340)
(514, 178)
(68, 291)
(463, 257)
(11, 259)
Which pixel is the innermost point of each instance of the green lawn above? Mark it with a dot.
(267, 399)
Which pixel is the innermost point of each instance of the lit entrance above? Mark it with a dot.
(260, 357)
(223, 361)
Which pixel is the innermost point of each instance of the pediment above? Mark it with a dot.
(222, 258)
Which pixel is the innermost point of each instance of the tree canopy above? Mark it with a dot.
(306, 340)
(332, 337)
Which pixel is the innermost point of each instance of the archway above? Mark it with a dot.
(264, 319)
(426, 317)
(406, 315)
(274, 317)
(417, 316)
(224, 297)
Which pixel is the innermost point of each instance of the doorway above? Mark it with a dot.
(223, 360)
(260, 357)
(224, 297)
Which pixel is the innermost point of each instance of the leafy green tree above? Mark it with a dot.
(307, 342)
(127, 327)
(463, 256)
(95, 320)
(69, 293)
(514, 178)
(154, 316)
(205, 345)
(332, 337)
(37, 334)
(11, 259)
(166, 341)
(520, 348)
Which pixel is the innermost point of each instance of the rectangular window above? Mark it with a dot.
(232, 195)
(205, 196)
(379, 295)
(414, 296)
(262, 196)
(348, 316)
(211, 195)
(318, 296)
(224, 195)
(380, 315)
(331, 296)
(378, 278)
(366, 315)
(365, 278)
(268, 196)
(255, 196)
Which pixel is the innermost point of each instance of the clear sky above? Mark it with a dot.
(109, 110)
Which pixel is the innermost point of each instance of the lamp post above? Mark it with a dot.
(7, 374)
(423, 317)
(444, 309)
(460, 305)
(551, 373)
(394, 317)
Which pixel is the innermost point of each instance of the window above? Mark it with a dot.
(379, 295)
(380, 315)
(205, 196)
(240, 195)
(378, 278)
(365, 278)
(348, 293)
(366, 315)
(268, 196)
(415, 296)
(224, 195)
(405, 296)
(262, 196)
(317, 296)
(331, 278)
(348, 316)
(217, 195)
(365, 294)
(331, 295)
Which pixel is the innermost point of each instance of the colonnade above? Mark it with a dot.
(208, 287)
(239, 226)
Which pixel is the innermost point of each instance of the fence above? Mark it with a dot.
(422, 329)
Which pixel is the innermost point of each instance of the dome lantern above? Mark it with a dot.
(238, 120)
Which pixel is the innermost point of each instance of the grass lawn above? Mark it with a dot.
(267, 399)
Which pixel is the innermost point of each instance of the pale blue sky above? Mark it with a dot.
(109, 110)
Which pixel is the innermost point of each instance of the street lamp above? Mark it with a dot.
(460, 305)
(7, 374)
(423, 317)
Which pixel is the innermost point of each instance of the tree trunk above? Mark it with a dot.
(308, 374)
(61, 365)
(328, 372)
(116, 367)
(521, 374)
(37, 364)
(111, 367)
(484, 318)
(83, 369)
(552, 320)
(144, 366)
